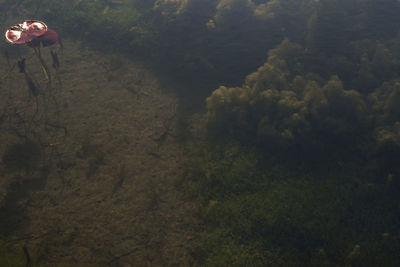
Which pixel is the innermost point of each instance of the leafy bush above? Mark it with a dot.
(289, 113)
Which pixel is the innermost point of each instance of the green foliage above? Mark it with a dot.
(344, 21)
(385, 150)
(224, 40)
(223, 171)
(115, 23)
(278, 108)
(103, 22)
(265, 216)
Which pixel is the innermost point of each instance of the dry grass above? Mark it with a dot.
(109, 198)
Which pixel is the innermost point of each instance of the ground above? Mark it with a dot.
(109, 162)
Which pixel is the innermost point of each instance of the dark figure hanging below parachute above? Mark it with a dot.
(35, 34)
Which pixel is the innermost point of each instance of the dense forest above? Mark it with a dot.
(294, 153)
